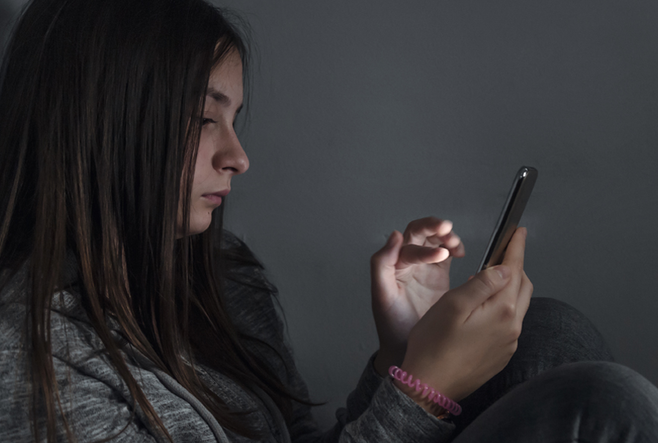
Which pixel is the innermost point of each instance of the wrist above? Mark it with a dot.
(424, 402)
(431, 399)
(385, 359)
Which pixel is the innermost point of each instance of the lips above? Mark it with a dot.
(223, 193)
(216, 197)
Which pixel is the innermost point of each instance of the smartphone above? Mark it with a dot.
(509, 218)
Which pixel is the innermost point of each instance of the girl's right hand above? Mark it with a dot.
(471, 333)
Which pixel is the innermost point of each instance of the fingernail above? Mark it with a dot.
(503, 271)
(447, 223)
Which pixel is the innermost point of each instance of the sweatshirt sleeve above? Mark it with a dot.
(375, 410)
(93, 408)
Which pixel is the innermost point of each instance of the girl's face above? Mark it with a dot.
(220, 155)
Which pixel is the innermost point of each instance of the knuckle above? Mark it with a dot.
(507, 310)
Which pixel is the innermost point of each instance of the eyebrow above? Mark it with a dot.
(221, 98)
(218, 96)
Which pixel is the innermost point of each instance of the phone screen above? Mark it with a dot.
(518, 196)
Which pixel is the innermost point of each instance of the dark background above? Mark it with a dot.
(366, 115)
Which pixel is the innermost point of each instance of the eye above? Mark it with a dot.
(206, 120)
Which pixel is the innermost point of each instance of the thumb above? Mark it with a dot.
(483, 285)
(388, 255)
(385, 258)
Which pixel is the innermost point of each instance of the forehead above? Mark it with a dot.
(226, 78)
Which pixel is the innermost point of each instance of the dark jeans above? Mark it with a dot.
(561, 385)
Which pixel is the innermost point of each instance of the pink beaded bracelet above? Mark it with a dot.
(434, 396)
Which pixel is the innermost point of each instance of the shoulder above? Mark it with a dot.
(14, 296)
(72, 341)
(12, 317)
(70, 333)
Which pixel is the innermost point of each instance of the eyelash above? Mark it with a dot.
(205, 120)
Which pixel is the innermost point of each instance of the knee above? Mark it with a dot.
(602, 388)
(549, 312)
(592, 375)
(556, 331)
(582, 401)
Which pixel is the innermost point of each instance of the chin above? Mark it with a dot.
(196, 227)
(199, 226)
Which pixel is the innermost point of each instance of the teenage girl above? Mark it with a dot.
(128, 314)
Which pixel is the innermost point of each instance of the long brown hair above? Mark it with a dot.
(96, 154)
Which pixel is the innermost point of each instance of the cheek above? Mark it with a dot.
(200, 215)
(202, 169)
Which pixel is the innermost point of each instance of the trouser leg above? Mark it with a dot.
(553, 333)
(598, 402)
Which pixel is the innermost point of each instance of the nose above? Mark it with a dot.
(230, 156)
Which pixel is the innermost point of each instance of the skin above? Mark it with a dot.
(220, 155)
(454, 340)
(406, 286)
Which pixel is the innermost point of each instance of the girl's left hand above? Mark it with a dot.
(408, 275)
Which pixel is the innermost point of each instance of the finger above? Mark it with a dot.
(453, 244)
(382, 262)
(483, 286)
(515, 253)
(525, 295)
(509, 298)
(414, 254)
(450, 241)
(419, 230)
(435, 232)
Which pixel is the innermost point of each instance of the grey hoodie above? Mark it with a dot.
(97, 401)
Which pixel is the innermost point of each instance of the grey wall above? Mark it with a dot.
(367, 115)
